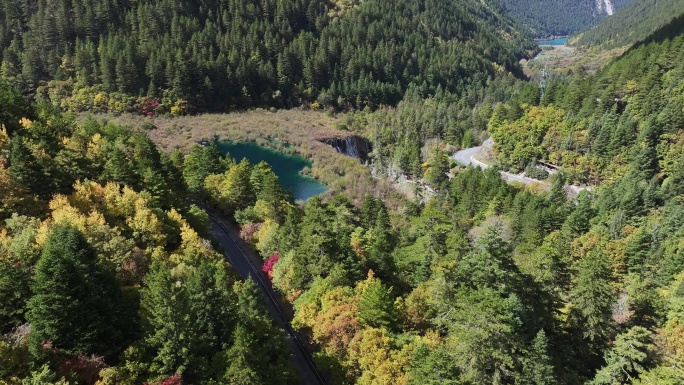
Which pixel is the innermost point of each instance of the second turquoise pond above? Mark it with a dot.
(287, 167)
(556, 41)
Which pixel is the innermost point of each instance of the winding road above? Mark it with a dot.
(467, 156)
(236, 254)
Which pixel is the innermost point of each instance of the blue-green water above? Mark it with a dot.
(287, 167)
(556, 41)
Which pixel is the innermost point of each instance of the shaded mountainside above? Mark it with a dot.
(182, 56)
(560, 17)
(631, 24)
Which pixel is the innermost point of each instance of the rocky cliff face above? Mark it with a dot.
(354, 146)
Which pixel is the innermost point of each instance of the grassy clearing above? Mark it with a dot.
(564, 59)
(304, 130)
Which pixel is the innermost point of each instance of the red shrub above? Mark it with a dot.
(86, 369)
(176, 379)
(267, 267)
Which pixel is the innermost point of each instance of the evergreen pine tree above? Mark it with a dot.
(289, 235)
(77, 304)
(200, 163)
(237, 188)
(14, 107)
(630, 355)
(577, 222)
(537, 366)
(434, 366)
(24, 167)
(592, 296)
(210, 299)
(436, 174)
(376, 304)
(118, 168)
(369, 211)
(240, 359)
(15, 291)
(166, 321)
(383, 244)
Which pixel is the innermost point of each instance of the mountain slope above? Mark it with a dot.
(631, 24)
(602, 119)
(217, 55)
(560, 17)
(621, 130)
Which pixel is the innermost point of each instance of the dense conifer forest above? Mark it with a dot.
(110, 275)
(631, 24)
(214, 55)
(559, 17)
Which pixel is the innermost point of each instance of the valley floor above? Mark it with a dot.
(303, 129)
(564, 59)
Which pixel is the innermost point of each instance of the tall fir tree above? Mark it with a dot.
(166, 321)
(77, 304)
(592, 298)
(537, 365)
(24, 167)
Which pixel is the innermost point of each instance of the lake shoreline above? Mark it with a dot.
(555, 41)
(303, 129)
(287, 167)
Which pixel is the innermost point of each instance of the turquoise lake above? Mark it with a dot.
(287, 167)
(556, 41)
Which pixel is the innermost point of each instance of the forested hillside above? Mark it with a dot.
(104, 272)
(182, 56)
(419, 122)
(108, 275)
(497, 284)
(560, 17)
(631, 24)
(620, 130)
(590, 124)
(489, 283)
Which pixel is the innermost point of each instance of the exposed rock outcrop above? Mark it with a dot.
(353, 146)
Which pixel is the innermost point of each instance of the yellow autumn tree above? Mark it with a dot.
(193, 249)
(337, 322)
(380, 362)
(112, 248)
(147, 227)
(267, 238)
(4, 138)
(284, 275)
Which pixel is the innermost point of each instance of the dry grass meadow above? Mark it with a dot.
(565, 59)
(304, 130)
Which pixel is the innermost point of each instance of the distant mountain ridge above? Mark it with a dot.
(633, 23)
(560, 17)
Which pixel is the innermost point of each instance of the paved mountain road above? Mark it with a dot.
(235, 253)
(467, 156)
